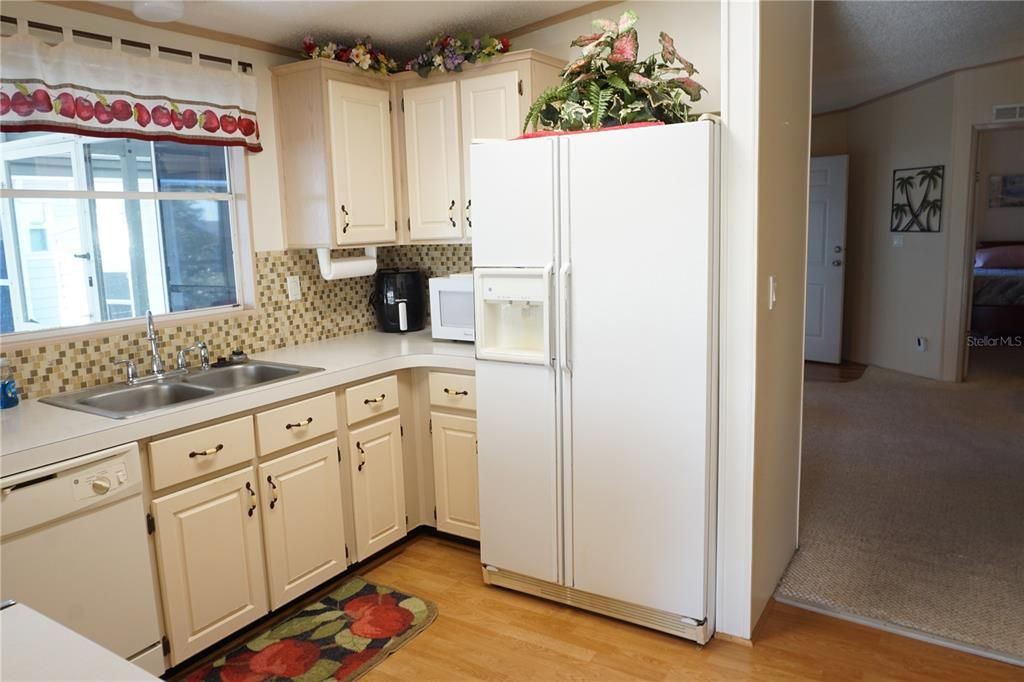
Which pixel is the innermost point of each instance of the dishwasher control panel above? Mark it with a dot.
(99, 480)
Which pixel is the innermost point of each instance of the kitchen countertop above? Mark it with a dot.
(37, 648)
(35, 434)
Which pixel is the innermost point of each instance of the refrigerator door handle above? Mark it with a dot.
(565, 315)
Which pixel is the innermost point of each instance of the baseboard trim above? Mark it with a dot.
(905, 632)
(734, 639)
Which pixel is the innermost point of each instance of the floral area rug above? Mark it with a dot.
(340, 637)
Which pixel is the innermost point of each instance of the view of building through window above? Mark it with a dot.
(96, 230)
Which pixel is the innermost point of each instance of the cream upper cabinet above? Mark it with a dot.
(378, 485)
(490, 110)
(302, 520)
(211, 563)
(433, 158)
(456, 487)
(335, 158)
(360, 137)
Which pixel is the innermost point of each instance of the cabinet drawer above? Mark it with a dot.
(296, 423)
(189, 455)
(453, 390)
(371, 399)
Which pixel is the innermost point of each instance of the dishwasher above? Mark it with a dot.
(73, 546)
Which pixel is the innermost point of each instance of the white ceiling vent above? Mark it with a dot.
(1007, 112)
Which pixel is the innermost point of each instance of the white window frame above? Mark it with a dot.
(239, 223)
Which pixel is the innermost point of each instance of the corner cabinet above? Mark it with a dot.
(335, 128)
(441, 116)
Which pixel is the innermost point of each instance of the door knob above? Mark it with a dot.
(837, 262)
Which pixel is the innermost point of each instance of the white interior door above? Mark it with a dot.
(490, 111)
(826, 257)
(433, 161)
(641, 347)
(364, 193)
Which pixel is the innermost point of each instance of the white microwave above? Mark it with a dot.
(451, 307)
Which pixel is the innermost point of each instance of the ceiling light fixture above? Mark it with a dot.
(159, 11)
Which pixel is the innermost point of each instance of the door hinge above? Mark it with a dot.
(390, 107)
(339, 454)
(165, 646)
(406, 520)
(403, 104)
(346, 551)
(150, 524)
(435, 513)
(408, 224)
(520, 87)
(401, 430)
(430, 425)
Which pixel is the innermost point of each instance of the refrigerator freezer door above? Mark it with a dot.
(518, 464)
(641, 357)
(515, 187)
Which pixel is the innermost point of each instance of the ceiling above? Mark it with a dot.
(400, 27)
(866, 49)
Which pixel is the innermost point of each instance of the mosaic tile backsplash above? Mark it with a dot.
(328, 309)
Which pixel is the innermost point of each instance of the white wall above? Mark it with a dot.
(264, 193)
(693, 25)
(766, 68)
(895, 294)
(1000, 152)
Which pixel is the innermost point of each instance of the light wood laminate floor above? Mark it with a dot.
(490, 633)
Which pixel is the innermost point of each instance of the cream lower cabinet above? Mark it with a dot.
(211, 563)
(302, 520)
(456, 487)
(378, 485)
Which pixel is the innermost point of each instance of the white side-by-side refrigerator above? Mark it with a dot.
(595, 270)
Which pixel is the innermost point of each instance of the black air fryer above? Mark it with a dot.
(399, 300)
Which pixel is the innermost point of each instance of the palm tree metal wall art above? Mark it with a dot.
(917, 199)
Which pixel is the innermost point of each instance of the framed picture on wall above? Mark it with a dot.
(1006, 191)
(917, 199)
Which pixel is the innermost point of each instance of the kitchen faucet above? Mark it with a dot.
(154, 351)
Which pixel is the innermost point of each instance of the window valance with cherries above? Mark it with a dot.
(100, 92)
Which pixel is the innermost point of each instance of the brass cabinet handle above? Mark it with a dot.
(248, 486)
(448, 391)
(298, 425)
(273, 490)
(362, 456)
(374, 400)
(344, 212)
(451, 213)
(209, 451)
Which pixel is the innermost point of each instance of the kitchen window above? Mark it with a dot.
(97, 230)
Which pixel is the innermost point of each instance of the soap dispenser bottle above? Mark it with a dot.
(8, 386)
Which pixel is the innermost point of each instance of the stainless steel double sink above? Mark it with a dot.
(118, 401)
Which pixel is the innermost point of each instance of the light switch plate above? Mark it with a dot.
(294, 289)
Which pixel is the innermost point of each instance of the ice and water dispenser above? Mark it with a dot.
(513, 323)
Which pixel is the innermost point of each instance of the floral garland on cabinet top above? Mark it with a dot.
(444, 53)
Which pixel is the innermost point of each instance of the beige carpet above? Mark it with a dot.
(912, 505)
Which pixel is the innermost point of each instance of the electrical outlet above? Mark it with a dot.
(294, 288)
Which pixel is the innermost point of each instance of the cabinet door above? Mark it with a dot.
(360, 144)
(456, 486)
(433, 161)
(302, 520)
(211, 563)
(490, 111)
(378, 487)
